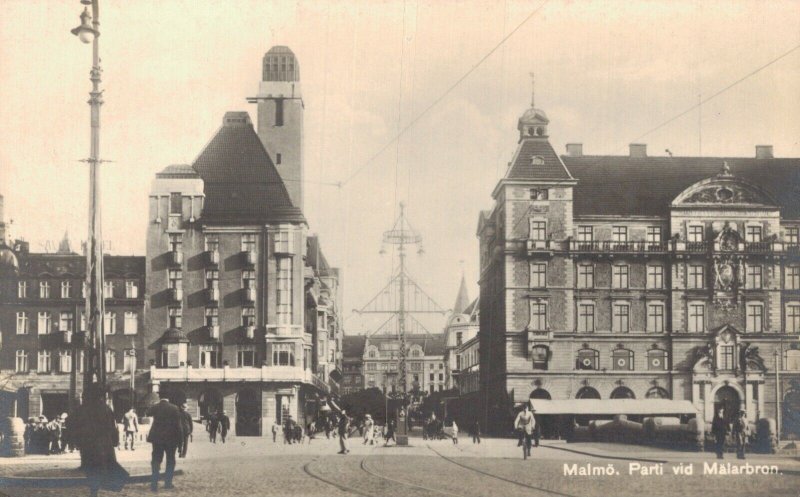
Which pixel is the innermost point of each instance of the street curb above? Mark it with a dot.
(56, 482)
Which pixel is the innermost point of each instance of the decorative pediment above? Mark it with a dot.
(724, 189)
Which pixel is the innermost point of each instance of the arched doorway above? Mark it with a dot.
(622, 393)
(210, 401)
(587, 393)
(540, 393)
(727, 398)
(791, 414)
(248, 413)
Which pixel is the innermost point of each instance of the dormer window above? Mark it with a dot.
(537, 160)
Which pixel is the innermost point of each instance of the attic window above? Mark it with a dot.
(539, 194)
(539, 131)
(537, 160)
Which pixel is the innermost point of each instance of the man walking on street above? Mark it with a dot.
(224, 425)
(212, 425)
(131, 426)
(344, 427)
(739, 432)
(719, 428)
(186, 419)
(525, 423)
(476, 432)
(369, 426)
(166, 433)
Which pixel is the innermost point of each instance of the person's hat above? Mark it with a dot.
(184, 405)
(64, 415)
(368, 416)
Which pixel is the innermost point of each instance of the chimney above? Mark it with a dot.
(575, 149)
(638, 150)
(764, 152)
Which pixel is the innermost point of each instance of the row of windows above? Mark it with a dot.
(66, 322)
(68, 289)
(589, 359)
(653, 234)
(283, 242)
(61, 361)
(696, 317)
(174, 355)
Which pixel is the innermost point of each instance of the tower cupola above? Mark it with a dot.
(533, 123)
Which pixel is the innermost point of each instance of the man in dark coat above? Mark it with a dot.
(344, 432)
(224, 425)
(719, 428)
(186, 419)
(739, 430)
(166, 433)
(212, 425)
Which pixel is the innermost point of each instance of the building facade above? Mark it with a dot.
(42, 321)
(425, 368)
(353, 363)
(641, 277)
(242, 311)
(459, 328)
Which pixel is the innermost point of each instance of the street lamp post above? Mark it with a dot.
(95, 371)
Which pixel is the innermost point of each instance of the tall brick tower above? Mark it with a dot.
(280, 117)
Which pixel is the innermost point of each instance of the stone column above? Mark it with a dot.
(748, 401)
(709, 402)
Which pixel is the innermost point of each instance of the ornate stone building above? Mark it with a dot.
(641, 277)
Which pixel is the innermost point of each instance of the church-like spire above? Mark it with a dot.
(462, 299)
(64, 245)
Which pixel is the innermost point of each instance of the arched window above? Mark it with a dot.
(657, 360)
(588, 359)
(540, 393)
(622, 360)
(372, 353)
(622, 393)
(587, 393)
(657, 393)
(539, 355)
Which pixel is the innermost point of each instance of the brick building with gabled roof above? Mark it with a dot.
(608, 277)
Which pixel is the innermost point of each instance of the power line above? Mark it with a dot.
(443, 95)
(718, 93)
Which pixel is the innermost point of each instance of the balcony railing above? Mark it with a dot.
(227, 373)
(671, 246)
(618, 247)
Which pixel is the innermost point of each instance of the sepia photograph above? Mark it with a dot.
(400, 248)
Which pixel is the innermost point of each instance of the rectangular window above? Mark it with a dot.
(170, 355)
(697, 318)
(539, 194)
(538, 230)
(655, 318)
(284, 290)
(586, 317)
(248, 279)
(755, 318)
(538, 316)
(246, 357)
(278, 159)
(655, 277)
(620, 322)
(131, 323)
(619, 234)
(248, 316)
(111, 361)
(754, 277)
(22, 289)
(84, 288)
(66, 321)
(108, 289)
(129, 361)
(654, 234)
(793, 318)
(175, 242)
(792, 235)
(792, 278)
(64, 361)
(83, 321)
(175, 279)
(175, 203)
(248, 242)
(585, 234)
(212, 243)
(753, 234)
(283, 354)
(212, 316)
(44, 289)
(696, 277)
(175, 317)
(283, 242)
(585, 276)
(131, 290)
(66, 289)
(538, 275)
(43, 363)
(694, 233)
(22, 323)
(80, 361)
(619, 276)
(725, 357)
(278, 112)
(110, 323)
(22, 362)
(45, 323)
(209, 356)
(212, 279)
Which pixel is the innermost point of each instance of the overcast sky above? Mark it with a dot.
(606, 72)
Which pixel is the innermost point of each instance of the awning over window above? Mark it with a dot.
(655, 407)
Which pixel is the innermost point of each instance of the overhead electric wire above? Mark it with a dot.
(442, 96)
(717, 93)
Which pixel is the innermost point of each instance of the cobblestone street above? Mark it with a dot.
(256, 466)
